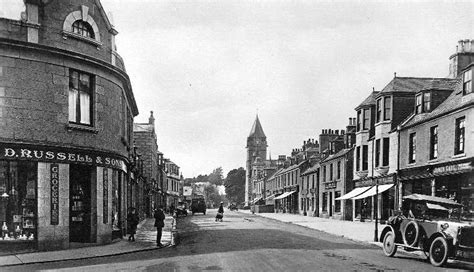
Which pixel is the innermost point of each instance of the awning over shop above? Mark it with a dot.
(284, 195)
(270, 197)
(435, 207)
(256, 200)
(372, 191)
(353, 193)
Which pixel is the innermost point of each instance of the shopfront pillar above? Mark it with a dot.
(433, 187)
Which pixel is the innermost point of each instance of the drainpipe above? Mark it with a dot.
(376, 198)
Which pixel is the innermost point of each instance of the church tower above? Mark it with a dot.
(256, 147)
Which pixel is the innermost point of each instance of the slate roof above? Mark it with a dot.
(415, 84)
(341, 153)
(257, 130)
(369, 101)
(142, 127)
(454, 101)
(311, 170)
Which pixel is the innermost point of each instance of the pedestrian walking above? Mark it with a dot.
(220, 212)
(159, 216)
(132, 220)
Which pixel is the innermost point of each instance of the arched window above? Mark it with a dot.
(83, 28)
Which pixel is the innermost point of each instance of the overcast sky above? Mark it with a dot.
(206, 67)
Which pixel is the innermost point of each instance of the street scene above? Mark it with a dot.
(236, 135)
(279, 243)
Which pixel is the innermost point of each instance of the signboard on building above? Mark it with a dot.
(450, 168)
(59, 155)
(54, 194)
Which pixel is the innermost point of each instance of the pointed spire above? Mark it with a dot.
(151, 120)
(257, 130)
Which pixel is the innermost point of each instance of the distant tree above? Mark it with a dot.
(235, 185)
(216, 177)
(211, 194)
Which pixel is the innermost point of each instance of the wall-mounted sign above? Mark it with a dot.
(105, 190)
(447, 169)
(54, 194)
(60, 155)
(330, 185)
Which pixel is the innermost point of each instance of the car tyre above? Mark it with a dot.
(389, 247)
(439, 251)
(411, 233)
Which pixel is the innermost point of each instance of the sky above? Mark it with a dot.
(206, 68)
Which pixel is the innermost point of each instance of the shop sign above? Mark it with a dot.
(105, 192)
(54, 194)
(452, 168)
(374, 180)
(330, 185)
(57, 155)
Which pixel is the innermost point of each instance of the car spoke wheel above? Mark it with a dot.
(389, 247)
(439, 251)
(410, 235)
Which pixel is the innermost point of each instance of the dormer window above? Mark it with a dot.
(83, 28)
(423, 102)
(467, 82)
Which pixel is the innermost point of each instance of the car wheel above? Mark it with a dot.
(389, 247)
(410, 235)
(439, 251)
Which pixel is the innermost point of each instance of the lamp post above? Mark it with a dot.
(376, 211)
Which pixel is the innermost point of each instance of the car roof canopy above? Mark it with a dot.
(432, 199)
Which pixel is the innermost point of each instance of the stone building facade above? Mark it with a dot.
(66, 112)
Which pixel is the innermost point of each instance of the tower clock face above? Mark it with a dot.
(257, 141)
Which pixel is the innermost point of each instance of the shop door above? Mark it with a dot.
(330, 204)
(79, 203)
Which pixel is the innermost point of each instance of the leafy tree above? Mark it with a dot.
(235, 185)
(211, 194)
(216, 177)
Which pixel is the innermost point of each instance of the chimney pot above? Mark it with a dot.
(336, 132)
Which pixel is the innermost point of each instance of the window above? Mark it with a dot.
(359, 119)
(325, 202)
(377, 153)
(412, 148)
(426, 102)
(337, 207)
(18, 203)
(331, 170)
(434, 142)
(80, 97)
(366, 124)
(379, 110)
(83, 28)
(324, 173)
(387, 102)
(358, 158)
(339, 170)
(467, 82)
(386, 151)
(418, 104)
(459, 136)
(365, 157)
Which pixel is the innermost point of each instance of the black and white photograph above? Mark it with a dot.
(236, 135)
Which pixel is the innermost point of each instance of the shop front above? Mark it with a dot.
(368, 190)
(53, 196)
(287, 202)
(453, 180)
(332, 206)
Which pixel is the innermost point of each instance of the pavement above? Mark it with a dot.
(353, 230)
(145, 239)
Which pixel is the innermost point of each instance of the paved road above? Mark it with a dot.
(250, 243)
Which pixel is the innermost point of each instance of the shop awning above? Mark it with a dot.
(353, 193)
(284, 195)
(270, 197)
(372, 191)
(435, 207)
(256, 199)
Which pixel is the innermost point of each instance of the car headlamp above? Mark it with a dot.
(444, 226)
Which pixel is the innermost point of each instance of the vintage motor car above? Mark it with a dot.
(432, 225)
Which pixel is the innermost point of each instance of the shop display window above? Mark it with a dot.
(18, 201)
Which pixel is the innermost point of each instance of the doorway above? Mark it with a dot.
(330, 204)
(80, 203)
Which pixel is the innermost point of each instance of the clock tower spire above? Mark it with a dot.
(256, 148)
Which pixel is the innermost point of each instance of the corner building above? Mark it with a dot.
(66, 113)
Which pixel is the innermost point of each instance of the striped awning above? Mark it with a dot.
(353, 193)
(372, 191)
(285, 194)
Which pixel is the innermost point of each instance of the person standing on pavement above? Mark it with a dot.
(132, 220)
(159, 216)
(220, 212)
